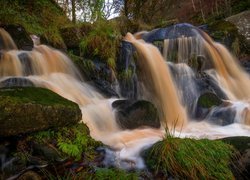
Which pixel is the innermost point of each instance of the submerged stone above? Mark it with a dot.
(136, 114)
(29, 109)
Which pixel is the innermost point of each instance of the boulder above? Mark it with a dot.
(242, 22)
(21, 38)
(29, 109)
(135, 114)
(207, 100)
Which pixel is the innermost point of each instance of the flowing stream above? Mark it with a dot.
(49, 68)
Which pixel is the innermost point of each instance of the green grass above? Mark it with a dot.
(191, 159)
(41, 17)
(33, 95)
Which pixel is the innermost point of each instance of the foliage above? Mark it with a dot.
(43, 17)
(108, 174)
(34, 95)
(72, 140)
(191, 159)
(102, 41)
(126, 74)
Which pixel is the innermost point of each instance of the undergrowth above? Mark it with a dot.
(73, 140)
(191, 159)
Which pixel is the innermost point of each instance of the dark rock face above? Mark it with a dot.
(20, 36)
(207, 100)
(16, 82)
(135, 114)
(36, 109)
(127, 71)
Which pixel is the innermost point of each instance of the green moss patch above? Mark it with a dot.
(208, 100)
(191, 159)
(33, 95)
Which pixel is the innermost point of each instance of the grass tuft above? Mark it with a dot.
(191, 159)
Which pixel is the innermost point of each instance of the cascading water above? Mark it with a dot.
(49, 68)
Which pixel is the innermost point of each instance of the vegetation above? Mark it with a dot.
(43, 18)
(208, 100)
(33, 95)
(101, 42)
(72, 140)
(190, 159)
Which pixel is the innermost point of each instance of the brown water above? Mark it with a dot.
(158, 81)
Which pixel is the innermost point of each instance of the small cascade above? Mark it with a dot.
(158, 81)
(6, 42)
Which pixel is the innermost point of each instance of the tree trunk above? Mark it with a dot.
(73, 3)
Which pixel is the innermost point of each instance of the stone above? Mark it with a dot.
(135, 114)
(29, 109)
(208, 100)
(21, 38)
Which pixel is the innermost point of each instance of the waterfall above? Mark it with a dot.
(173, 88)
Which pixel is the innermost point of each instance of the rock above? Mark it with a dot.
(204, 104)
(241, 164)
(20, 36)
(16, 82)
(227, 33)
(208, 100)
(29, 109)
(135, 114)
(242, 22)
(72, 38)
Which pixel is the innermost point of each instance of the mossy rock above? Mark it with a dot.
(135, 114)
(207, 100)
(29, 109)
(227, 33)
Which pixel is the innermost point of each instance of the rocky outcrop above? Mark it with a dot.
(242, 22)
(29, 109)
(136, 114)
(21, 38)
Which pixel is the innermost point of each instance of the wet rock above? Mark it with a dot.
(30, 109)
(135, 114)
(207, 100)
(222, 115)
(16, 82)
(204, 104)
(20, 36)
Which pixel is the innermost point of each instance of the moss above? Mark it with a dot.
(35, 17)
(102, 41)
(33, 95)
(208, 100)
(72, 140)
(190, 158)
(109, 174)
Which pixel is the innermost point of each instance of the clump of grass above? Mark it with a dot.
(102, 41)
(191, 159)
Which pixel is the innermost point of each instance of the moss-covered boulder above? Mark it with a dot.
(227, 33)
(29, 109)
(135, 114)
(207, 100)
